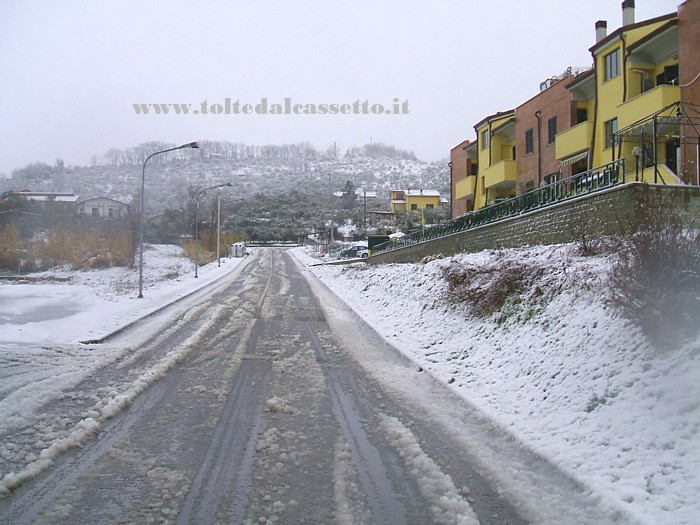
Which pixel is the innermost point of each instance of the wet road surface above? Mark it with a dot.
(281, 407)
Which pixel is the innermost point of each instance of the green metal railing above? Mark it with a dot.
(593, 180)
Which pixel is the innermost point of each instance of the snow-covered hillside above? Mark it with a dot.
(250, 169)
(558, 369)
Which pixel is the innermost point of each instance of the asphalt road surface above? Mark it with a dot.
(286, 408)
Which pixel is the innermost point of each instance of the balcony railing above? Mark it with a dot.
(589, 181)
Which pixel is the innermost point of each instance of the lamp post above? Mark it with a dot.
(141, 207)
(218, 230)
(196, 226)
(636, 152)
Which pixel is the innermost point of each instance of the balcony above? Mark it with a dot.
(647, 103)
(464, 189)
(503, 174)
(574, 140)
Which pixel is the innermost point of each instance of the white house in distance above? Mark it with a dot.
(103, 207)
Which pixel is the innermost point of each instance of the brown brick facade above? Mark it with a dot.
(552, 101)
(689, 60)
(458, 171)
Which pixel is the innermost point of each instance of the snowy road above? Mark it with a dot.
(269, 401)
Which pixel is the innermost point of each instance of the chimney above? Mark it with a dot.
(601, 30)
(627, 12)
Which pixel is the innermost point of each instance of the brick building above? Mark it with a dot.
(459, 172)
(537, 123)
(689, 77)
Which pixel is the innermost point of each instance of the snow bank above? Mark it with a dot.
(561, 371)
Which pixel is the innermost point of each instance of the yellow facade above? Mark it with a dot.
(643, 52)
(496, 159)
(413, 200)
(632, 86)
(465, 188)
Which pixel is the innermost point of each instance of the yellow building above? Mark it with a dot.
(497, 171)
(414, 200)
(629, 108)
(636, 84)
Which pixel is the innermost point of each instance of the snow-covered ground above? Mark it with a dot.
(62, 306)
(560, 372)
(42, 324)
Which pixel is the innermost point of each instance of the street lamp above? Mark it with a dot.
(196, 226)
(141, 207)
(637, 152)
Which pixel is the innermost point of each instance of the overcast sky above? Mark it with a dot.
(71, 71)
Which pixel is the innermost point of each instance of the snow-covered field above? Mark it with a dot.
(42, 325)
(560, 372)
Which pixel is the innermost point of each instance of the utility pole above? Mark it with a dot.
(364, 222)
(331, 221)
(218, 229)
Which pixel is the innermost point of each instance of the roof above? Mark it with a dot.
(616, 34)
(495, 116)
(103, 199)
(580, 78)
(462, 145)
(47, 196)
(422, 193)
(502, 127)
(671, 24)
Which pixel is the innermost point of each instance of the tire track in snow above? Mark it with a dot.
(230, 455)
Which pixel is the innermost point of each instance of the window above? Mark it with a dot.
(551, 130)
(552, 178)
(485, 139)
(581, 115)
(610, 130)
(95, 212)
(529, 141)
(612, 64)
(414, 206)
(429, 206)
(474, 169)
(669, 76)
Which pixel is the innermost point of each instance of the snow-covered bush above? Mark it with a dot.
(488, 288)
(656, 280)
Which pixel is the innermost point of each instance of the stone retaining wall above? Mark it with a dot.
(607, 212)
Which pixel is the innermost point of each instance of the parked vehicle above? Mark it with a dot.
(353, 252)
(238, 250)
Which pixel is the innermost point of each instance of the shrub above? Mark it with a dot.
(487, 289)
(655, 282)
(87, 250)
(204, 256)
(13, 253)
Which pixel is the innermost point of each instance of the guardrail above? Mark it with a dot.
(593, 180)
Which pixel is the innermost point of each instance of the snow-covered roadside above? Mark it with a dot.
(41, 358)
(63, 306)
(568, 377)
